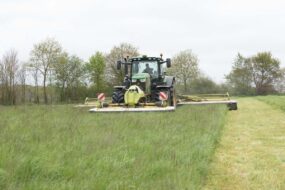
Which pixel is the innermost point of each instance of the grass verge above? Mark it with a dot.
(276, 101)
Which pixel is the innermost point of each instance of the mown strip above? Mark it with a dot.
(252, 150)
(59, 147)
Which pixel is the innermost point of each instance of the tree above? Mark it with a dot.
(259, 72)
(124, 50)
(185, 67)
(280, 82)
(240, 78)
(22, 79)
(35, 75)
(68, 73)
(96, 68)
(62, 74)
(203, 85)
(265, 70)
(9, 68)
(43, 57)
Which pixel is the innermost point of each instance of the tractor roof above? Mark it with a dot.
(145, 58)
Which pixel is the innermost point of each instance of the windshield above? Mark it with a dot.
(149, 67)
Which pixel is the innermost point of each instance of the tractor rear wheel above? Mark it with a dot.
(118, 97)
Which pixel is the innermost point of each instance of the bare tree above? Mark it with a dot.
(185, 67)
(22, 79)
(2, 82)
(118, 53)
(51, 74)
(43, 57)
(9, 68)
(35, 75)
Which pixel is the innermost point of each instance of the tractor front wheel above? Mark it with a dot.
(171, 101)
(172, 97)
(118, 97)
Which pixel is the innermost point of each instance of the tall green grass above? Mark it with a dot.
(275, 101)
(60, 147)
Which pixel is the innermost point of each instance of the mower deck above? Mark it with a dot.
(208, 102)
(139, 109)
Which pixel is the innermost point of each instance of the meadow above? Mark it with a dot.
(61, 147)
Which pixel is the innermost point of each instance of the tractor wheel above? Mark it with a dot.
(170, 94)
(172, 97)
(156, 96)
(118, 97)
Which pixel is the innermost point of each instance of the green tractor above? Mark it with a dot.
(145, 83)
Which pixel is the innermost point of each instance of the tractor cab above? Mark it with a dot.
(148, 67)
(145, 71)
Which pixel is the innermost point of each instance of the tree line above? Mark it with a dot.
(260, 74)
(52, 75)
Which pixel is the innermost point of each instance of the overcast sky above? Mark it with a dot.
(215, 30)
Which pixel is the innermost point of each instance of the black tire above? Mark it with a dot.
(232, 106)
(171, 96)
(156, 96)
(118, 97)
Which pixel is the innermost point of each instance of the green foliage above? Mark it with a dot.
(276, 101)
(69, 75)
(240, 78)
(254, 75)
(204, 85)
(96, 68)
(59, 147)
(266, 70)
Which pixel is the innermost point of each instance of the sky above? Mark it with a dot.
(215, 30)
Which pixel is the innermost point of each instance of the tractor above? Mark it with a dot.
(147, 88)
(145, 83)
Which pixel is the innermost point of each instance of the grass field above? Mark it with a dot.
(275, 101)
(60, 147)
(251, 154)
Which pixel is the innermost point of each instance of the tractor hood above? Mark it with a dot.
(140, 76)
(143, 78)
